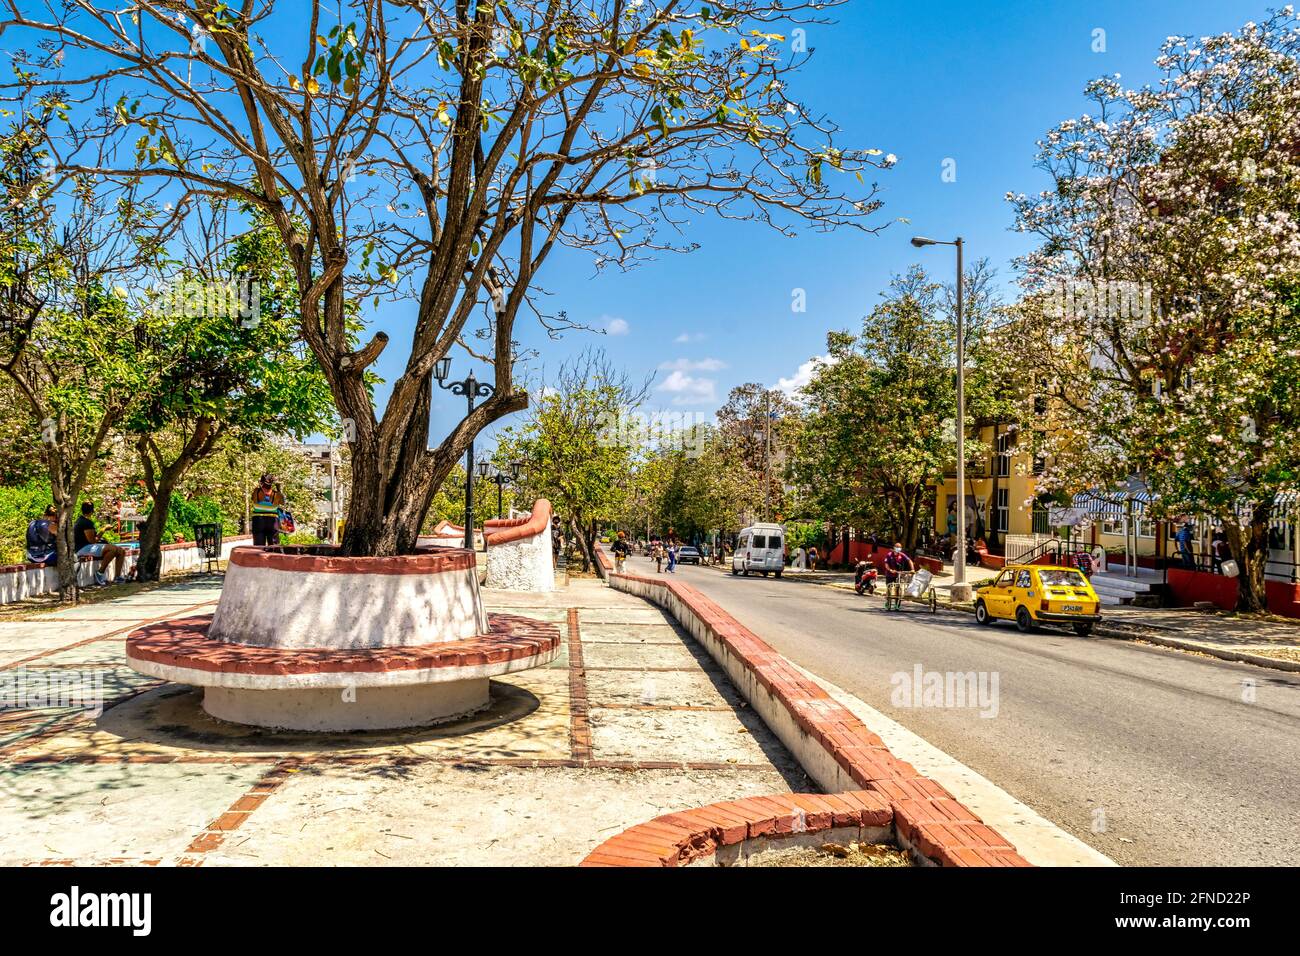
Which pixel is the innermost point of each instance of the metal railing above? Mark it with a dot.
(1274, 569)
(1064, 552)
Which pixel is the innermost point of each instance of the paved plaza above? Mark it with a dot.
(633, 720)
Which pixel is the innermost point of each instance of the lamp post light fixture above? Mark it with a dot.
(961, 591)
(471, 388)
(489, 472)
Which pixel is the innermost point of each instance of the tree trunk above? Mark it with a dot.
(149, 560)
(586, 542)
(390, 497)
(1249, 546)
(65, 549)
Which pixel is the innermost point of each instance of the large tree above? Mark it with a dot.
(881, 410)
(574, 447)
(751, 443)
(1156, 318)
(439, 152)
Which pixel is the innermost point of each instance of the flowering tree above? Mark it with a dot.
(438, 152)
(1154, 323)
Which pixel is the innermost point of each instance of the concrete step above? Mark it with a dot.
(1116, 589)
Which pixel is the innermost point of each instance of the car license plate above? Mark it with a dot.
(1072, 607)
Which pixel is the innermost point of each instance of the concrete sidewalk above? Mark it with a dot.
(632, 721)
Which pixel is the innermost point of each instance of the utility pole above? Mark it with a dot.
(961, 591)
(767, 455)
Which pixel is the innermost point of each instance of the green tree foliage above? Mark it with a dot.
(71, 343)
(235, 366)
(881, 410)
(572, 449)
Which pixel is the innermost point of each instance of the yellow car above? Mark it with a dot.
(1030, 594)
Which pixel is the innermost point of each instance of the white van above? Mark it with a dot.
(760, 548)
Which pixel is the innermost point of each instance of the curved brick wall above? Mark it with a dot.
(725, 833)
(519, 551)
(501, 531)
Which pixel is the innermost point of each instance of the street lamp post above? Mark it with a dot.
(960, 589)
(489, 472)
(471, 388)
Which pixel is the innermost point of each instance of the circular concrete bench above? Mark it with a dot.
(305, 640)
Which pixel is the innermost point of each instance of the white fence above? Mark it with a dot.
(19, 582)
(1018, 545)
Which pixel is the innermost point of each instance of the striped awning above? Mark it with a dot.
(1286, 505)
(1112, 504)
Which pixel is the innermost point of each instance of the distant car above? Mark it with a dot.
(1030, 594)
(688, 555)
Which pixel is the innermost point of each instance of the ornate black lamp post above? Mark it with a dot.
(489, 472)
(471, 388)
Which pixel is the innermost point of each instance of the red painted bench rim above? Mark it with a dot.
(184, 643)
(323, 559)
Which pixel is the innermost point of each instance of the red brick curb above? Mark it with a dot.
(927, 819)
(677, 839)
(185, 643)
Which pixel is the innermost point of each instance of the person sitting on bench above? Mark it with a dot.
(41, 535)
(89, 544)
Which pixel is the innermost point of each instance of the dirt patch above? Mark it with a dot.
(1277, 653)
(834, 854)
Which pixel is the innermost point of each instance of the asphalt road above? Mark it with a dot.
(1152, 756)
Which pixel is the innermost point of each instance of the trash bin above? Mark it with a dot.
(208, 539)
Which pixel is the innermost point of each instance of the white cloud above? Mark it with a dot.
(688, 389)
(686, 337)
(618, 327)
(690, 365)
(803, 376)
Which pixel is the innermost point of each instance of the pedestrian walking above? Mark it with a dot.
(657, 550)
(672, 557)
(896, 564)
(620, 549)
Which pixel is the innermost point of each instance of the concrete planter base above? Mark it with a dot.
(303, 639)
(361, 708)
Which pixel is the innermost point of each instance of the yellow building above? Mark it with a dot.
(999, 493)
(1001, 504)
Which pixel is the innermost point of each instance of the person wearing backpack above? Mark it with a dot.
(41, 534)
(267, 502)
(620, 549)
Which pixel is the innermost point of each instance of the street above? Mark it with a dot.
(1152, 756)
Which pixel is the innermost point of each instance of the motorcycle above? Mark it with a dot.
(864, 578)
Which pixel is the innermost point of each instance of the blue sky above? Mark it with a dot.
(977, 83)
